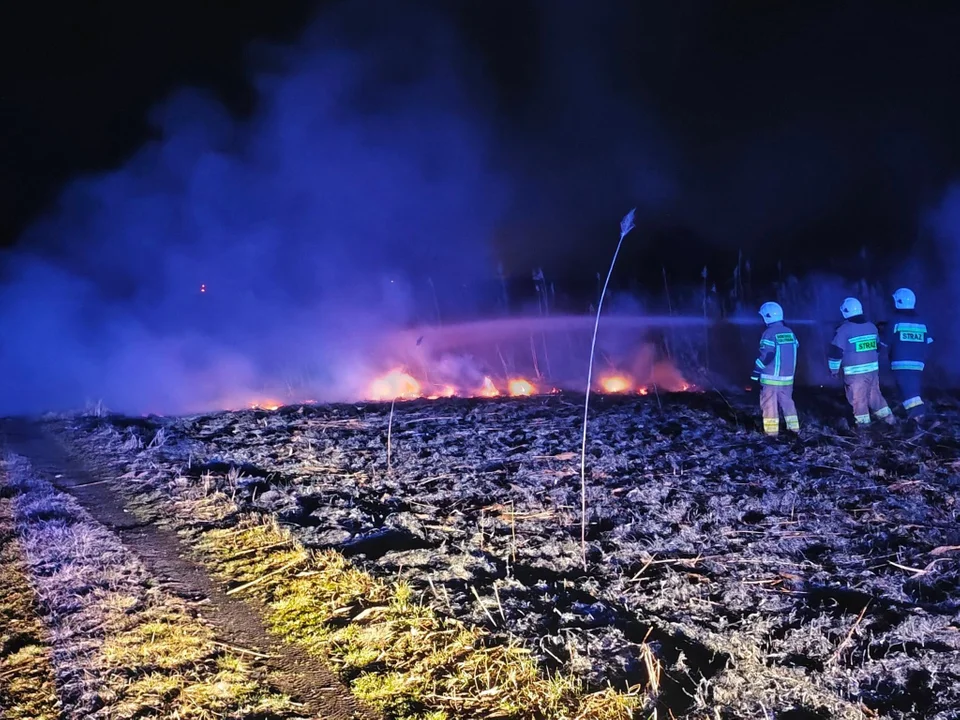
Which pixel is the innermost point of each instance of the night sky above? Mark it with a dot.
(77, 81)
(792, 131)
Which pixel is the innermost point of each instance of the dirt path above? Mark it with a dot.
(237, 622)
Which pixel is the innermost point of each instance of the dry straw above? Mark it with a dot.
(626, 225)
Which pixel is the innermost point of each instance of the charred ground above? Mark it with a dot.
(808, 577)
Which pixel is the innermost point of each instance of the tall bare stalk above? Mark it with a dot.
(393, 404)
(669, 336)
(626, 225)
(543, 294)
(436, 300)
(706, 325)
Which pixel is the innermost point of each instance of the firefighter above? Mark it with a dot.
(908, 338)
(774, 370)
(855, 348)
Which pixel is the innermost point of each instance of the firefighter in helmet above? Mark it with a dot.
(907, 338)
(855, 349)
(774, 369)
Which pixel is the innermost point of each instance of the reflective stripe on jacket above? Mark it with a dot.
(777, 362)
(908, 338)
(855, 347)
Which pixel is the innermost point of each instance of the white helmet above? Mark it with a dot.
(771, 312)
(904, 299)
(851, 308)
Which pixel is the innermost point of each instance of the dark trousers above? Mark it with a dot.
(909, 383)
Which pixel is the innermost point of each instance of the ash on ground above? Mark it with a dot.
(816, 576)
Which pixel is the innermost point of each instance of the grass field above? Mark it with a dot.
(728, 575)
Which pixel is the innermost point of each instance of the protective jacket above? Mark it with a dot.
(855, 347)
(907, 337)
(777, 361)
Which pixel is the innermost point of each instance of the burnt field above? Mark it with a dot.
(727, 574)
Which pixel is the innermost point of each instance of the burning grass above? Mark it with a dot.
(398, 384)
(27, 685)
(123, 648)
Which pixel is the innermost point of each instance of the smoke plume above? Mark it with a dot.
(228, 253)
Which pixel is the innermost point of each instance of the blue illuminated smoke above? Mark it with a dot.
(311, 226)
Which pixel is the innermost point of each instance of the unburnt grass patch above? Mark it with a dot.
(121, 647)
(726, 573)
(27, 687)
(397, 654)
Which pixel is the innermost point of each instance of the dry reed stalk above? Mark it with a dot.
(393, 404)
(626, 225)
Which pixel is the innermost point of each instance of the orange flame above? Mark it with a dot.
(401, 385)
(395, 385)
(488, 389)
(265, 405)
(521, 387)
(448, 391)
(615, 383)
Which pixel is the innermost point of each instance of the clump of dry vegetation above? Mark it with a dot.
(27, 687)
(397, 654)
(122, 647)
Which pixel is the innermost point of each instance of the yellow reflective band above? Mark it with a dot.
(861, 369)
(911, 403)
(882, 412)
(862, 419)
(911, 327)
(793, 422)
(906, 365)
